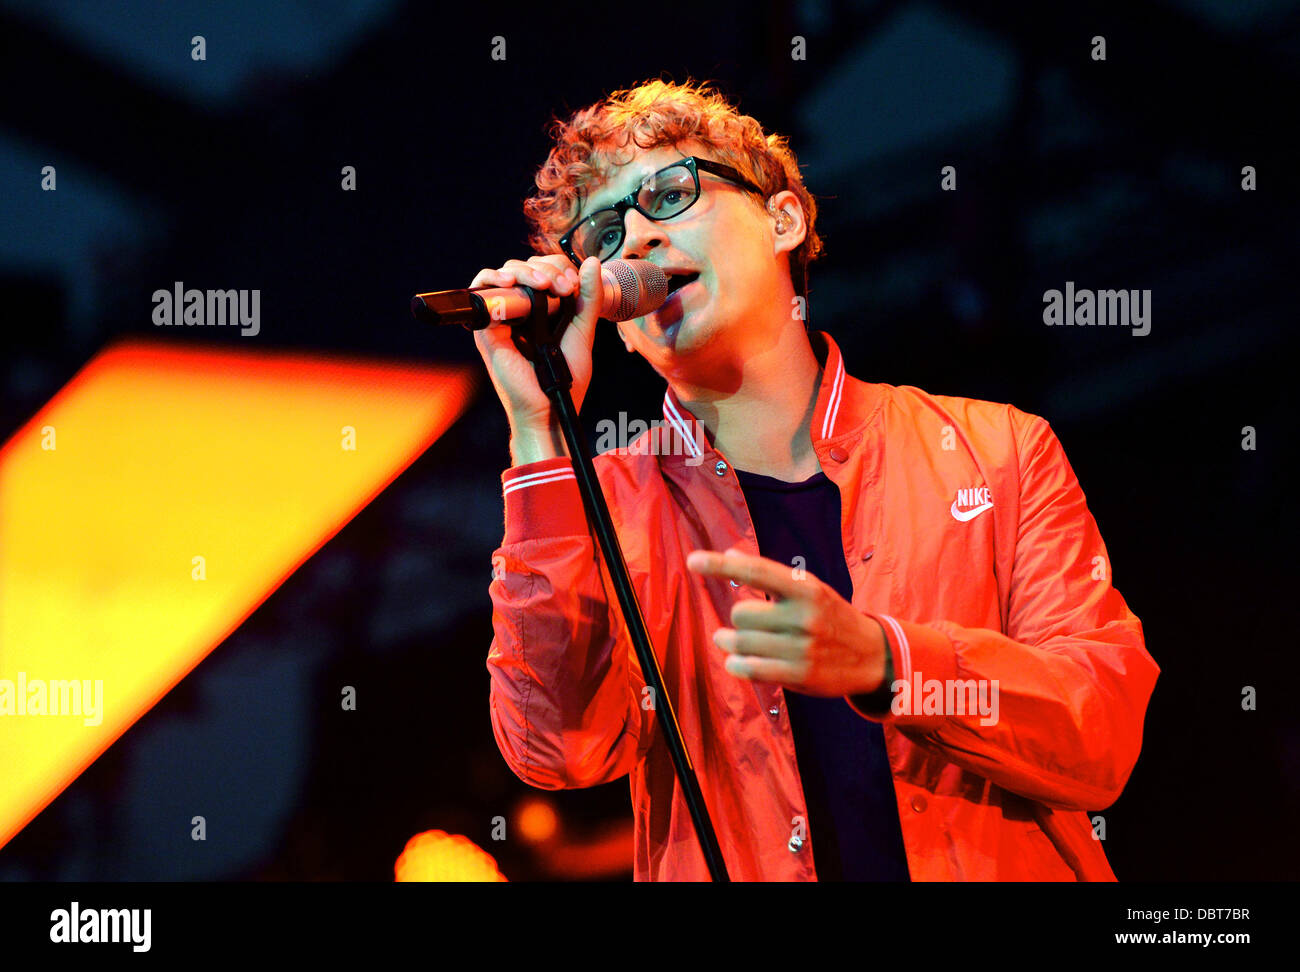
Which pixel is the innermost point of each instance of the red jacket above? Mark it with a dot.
(1012, 585)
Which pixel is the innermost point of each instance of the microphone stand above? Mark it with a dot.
(538, 339)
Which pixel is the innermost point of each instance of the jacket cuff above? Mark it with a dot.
(917, 652)
(877, 702)
(542, 500)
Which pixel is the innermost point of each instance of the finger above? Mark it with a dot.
(559, 261)
(493, 341)
(766, 644)
(757, 572)
(592, 288)
(588, 303)
(557, 268)
(538, 275)
(493, 278)
(788, 616)
(756, 669)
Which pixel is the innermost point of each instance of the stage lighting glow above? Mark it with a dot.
(536, 820)
(436, 855)
(153, 504)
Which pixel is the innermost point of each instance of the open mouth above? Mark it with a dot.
(677, 281)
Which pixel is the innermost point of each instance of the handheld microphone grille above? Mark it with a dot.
(643, 288)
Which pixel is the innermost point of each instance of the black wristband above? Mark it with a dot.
(879, 700)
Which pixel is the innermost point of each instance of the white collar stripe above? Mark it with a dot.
(674, 418)
(833, 406)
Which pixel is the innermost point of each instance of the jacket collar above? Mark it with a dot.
(844, 406)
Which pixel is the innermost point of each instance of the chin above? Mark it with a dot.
(683, 332)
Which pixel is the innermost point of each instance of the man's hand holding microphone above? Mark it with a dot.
(534, 434)
(618, 290)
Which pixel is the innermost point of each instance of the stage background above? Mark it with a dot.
(226, 173)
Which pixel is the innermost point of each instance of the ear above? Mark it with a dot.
(619, 327)
(787, 220)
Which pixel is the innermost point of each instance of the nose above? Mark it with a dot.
(641, 235)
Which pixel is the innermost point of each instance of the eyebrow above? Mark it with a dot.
(640, 179)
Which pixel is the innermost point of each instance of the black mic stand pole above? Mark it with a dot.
(538, 339)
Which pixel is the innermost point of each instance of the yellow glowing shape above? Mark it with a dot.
(153, 504)
(439, 856)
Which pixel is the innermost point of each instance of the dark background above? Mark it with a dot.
(226, 173)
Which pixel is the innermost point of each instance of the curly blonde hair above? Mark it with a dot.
(588, 145)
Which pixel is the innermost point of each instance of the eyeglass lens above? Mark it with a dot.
(662, 195)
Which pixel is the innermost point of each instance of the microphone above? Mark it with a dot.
(631, 288)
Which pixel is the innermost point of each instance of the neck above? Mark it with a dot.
(759, 407)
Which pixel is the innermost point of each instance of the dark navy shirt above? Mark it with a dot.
(852, 813)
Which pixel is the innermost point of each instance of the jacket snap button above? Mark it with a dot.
(795, 844)
(720, 468)
(774, 712)
(838, 454)
(918, 803)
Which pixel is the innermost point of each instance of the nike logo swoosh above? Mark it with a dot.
(968, 514)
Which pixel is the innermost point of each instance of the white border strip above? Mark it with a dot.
(833, 407)
(536, 479)
(538, 475)
(674, 418)
(904, 650)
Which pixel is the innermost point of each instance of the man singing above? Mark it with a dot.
(885, 618)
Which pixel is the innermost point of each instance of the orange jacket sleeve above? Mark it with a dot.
(565, 687)
(1072, 673)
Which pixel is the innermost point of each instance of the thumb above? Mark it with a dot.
(591, 290)
(590, 283)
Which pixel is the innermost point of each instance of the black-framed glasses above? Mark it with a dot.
(662, 195)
